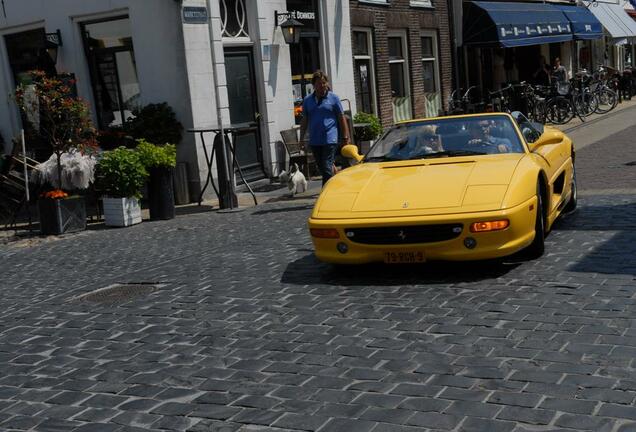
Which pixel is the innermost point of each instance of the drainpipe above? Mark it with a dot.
(217, 98)
(454, 47)
(226, 200)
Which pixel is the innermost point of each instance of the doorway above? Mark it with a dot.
(244, 111)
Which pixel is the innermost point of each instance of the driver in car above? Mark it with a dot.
(480, 137)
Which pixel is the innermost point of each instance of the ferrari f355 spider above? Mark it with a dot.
(456, 188)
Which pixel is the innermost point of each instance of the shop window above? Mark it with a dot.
(26, 52)
(111, 61)
(430, 70)
(364, 73)
(234, 19)
(398, 68)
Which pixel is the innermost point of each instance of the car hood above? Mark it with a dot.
(423, 187)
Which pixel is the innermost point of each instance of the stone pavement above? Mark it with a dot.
(247, 331)
(237, 327)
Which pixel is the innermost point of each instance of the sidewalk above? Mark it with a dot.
(576, 123)
(264, 191)
(267, 192)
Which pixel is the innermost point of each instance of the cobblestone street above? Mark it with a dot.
(246, 330)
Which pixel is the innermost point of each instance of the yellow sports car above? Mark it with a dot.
(466, 187)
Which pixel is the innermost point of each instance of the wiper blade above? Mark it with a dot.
(448, 153)
(381, 159)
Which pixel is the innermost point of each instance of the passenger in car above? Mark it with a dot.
(418, 142)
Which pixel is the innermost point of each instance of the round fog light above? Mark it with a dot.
(342, 248)
(470, 242)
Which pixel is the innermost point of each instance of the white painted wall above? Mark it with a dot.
(274, 57)
(337, 51)
(174, 62)
(157, 42)
(275, 68)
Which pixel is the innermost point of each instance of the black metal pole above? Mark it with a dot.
(302, 69)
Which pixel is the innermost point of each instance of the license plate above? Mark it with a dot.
(404, 257)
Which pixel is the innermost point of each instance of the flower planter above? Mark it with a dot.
(62, 215)
(161, 194)
(121, 212)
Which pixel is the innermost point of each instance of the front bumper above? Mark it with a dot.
(492, 244)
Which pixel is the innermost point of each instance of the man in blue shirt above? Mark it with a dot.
(322, 111)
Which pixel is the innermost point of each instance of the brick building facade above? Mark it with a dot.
(405, 69)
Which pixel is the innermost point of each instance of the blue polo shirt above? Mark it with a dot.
(322, 118)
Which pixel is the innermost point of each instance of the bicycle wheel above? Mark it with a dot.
(586, 104)
(539, 111)
(607, 100)
(559, 111)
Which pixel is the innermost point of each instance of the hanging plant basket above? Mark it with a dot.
(62, 215)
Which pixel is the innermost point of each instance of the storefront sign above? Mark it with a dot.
(540, 29)
(54, 38)
(297, 15)
(195, 15)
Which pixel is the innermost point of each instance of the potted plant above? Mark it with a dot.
(119, 178)
(369, 132)
(160, 162)
(156, 123)
(64, 122)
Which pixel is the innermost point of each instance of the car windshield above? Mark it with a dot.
(449, 137)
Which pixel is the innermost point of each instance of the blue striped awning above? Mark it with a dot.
(585, 25)
(510, 24)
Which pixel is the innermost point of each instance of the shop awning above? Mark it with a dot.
(584, 24)
(508, 24)
(615, 20)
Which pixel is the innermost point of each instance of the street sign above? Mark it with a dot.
(195, 15)
(297, 15)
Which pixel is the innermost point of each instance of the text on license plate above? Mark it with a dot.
(404, 257)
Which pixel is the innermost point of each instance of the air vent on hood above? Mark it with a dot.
(429, 164)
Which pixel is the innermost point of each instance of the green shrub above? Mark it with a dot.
(154, 156)
(120, 173)
(156, 123)
(370, 132)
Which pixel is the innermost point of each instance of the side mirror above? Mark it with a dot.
(351, 152)
(548, 137)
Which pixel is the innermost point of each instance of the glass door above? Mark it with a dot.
(243, 106)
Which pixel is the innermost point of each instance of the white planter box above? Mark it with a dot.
(121, 211)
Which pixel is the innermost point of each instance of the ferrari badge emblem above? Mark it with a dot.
(405, 205)
(401, 235)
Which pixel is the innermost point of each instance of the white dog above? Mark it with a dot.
(295, 180)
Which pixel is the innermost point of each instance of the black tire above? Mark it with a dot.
(607, 101)
(559, 111)
(572, 203)
(537, 247)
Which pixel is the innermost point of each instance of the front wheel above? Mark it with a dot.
(607, 101)
(559, 111)
(537, 247)
(571, 205)
(586, 104)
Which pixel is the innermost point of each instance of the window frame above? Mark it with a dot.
(427, 4)
(435, 59)
(371, 59)
(375, 2)
(405, 59)
(91, 67)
